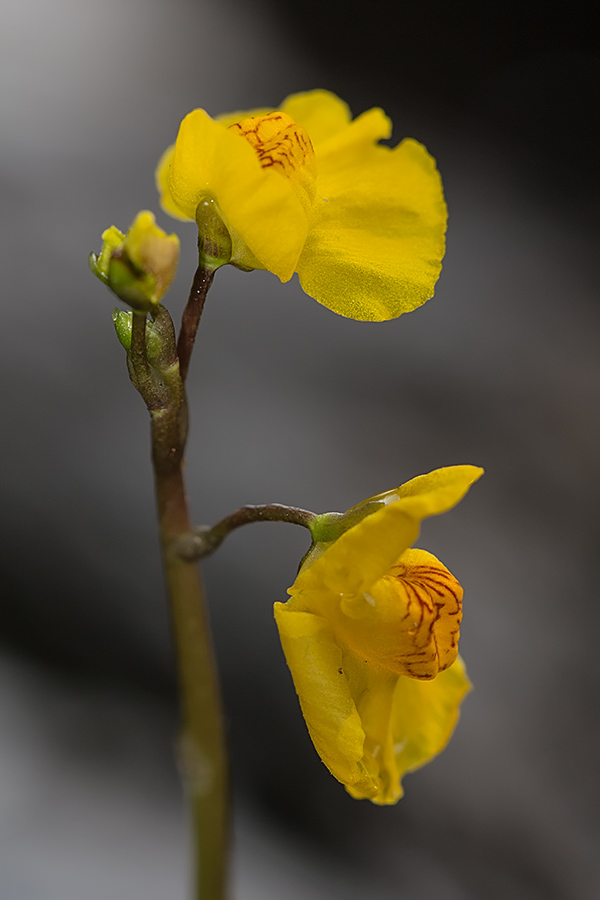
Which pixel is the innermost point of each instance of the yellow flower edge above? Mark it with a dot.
(370, 634)
(308, 189)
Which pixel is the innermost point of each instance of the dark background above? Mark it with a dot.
(293, 404)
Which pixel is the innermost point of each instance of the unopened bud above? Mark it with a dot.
(138, 267)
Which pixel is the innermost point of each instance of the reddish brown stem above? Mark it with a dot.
(191, 317)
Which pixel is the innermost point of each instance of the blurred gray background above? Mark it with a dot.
(293, 404)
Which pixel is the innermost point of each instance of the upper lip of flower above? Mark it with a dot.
(367, 551)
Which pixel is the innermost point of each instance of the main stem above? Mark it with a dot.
(203, 751)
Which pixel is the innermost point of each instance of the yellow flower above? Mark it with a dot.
(307, 189)
(370, 634)
(139, 266)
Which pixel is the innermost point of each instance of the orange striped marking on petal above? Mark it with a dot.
(282, 144)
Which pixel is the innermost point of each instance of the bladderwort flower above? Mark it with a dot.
(308, 189)
(138, 266)
(370, 634)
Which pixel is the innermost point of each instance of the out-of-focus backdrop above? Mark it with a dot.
(293, 404)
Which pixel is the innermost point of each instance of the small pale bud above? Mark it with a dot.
(138, 267)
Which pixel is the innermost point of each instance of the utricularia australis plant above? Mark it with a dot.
(370, 630)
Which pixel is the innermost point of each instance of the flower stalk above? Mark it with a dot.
(192, 313)
(203, 756)
(204, 540)
(155, 373)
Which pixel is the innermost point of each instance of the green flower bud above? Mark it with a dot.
(138, 267)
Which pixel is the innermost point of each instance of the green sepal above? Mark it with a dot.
(214, 240)
(330, 526)
(94, 264)
(161, 342)
(132, 285)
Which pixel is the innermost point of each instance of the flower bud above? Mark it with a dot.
(138, 267)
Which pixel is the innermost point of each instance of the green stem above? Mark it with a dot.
(139, 369)
(203, 750)
(205, 540)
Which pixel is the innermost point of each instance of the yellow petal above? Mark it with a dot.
(429, 494)
(425, 714)
(369, 727)
(352, 563)
(364, 553)
(411, 730)
(373, 692)
(112, 239)
(152, 250)
(438, 491)
(320, 112)
(375, 252)
(343, 156)
(259, 205)
(407, 624)
(284, 146)
(315, 661)
(415, 614)
(162, 183)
